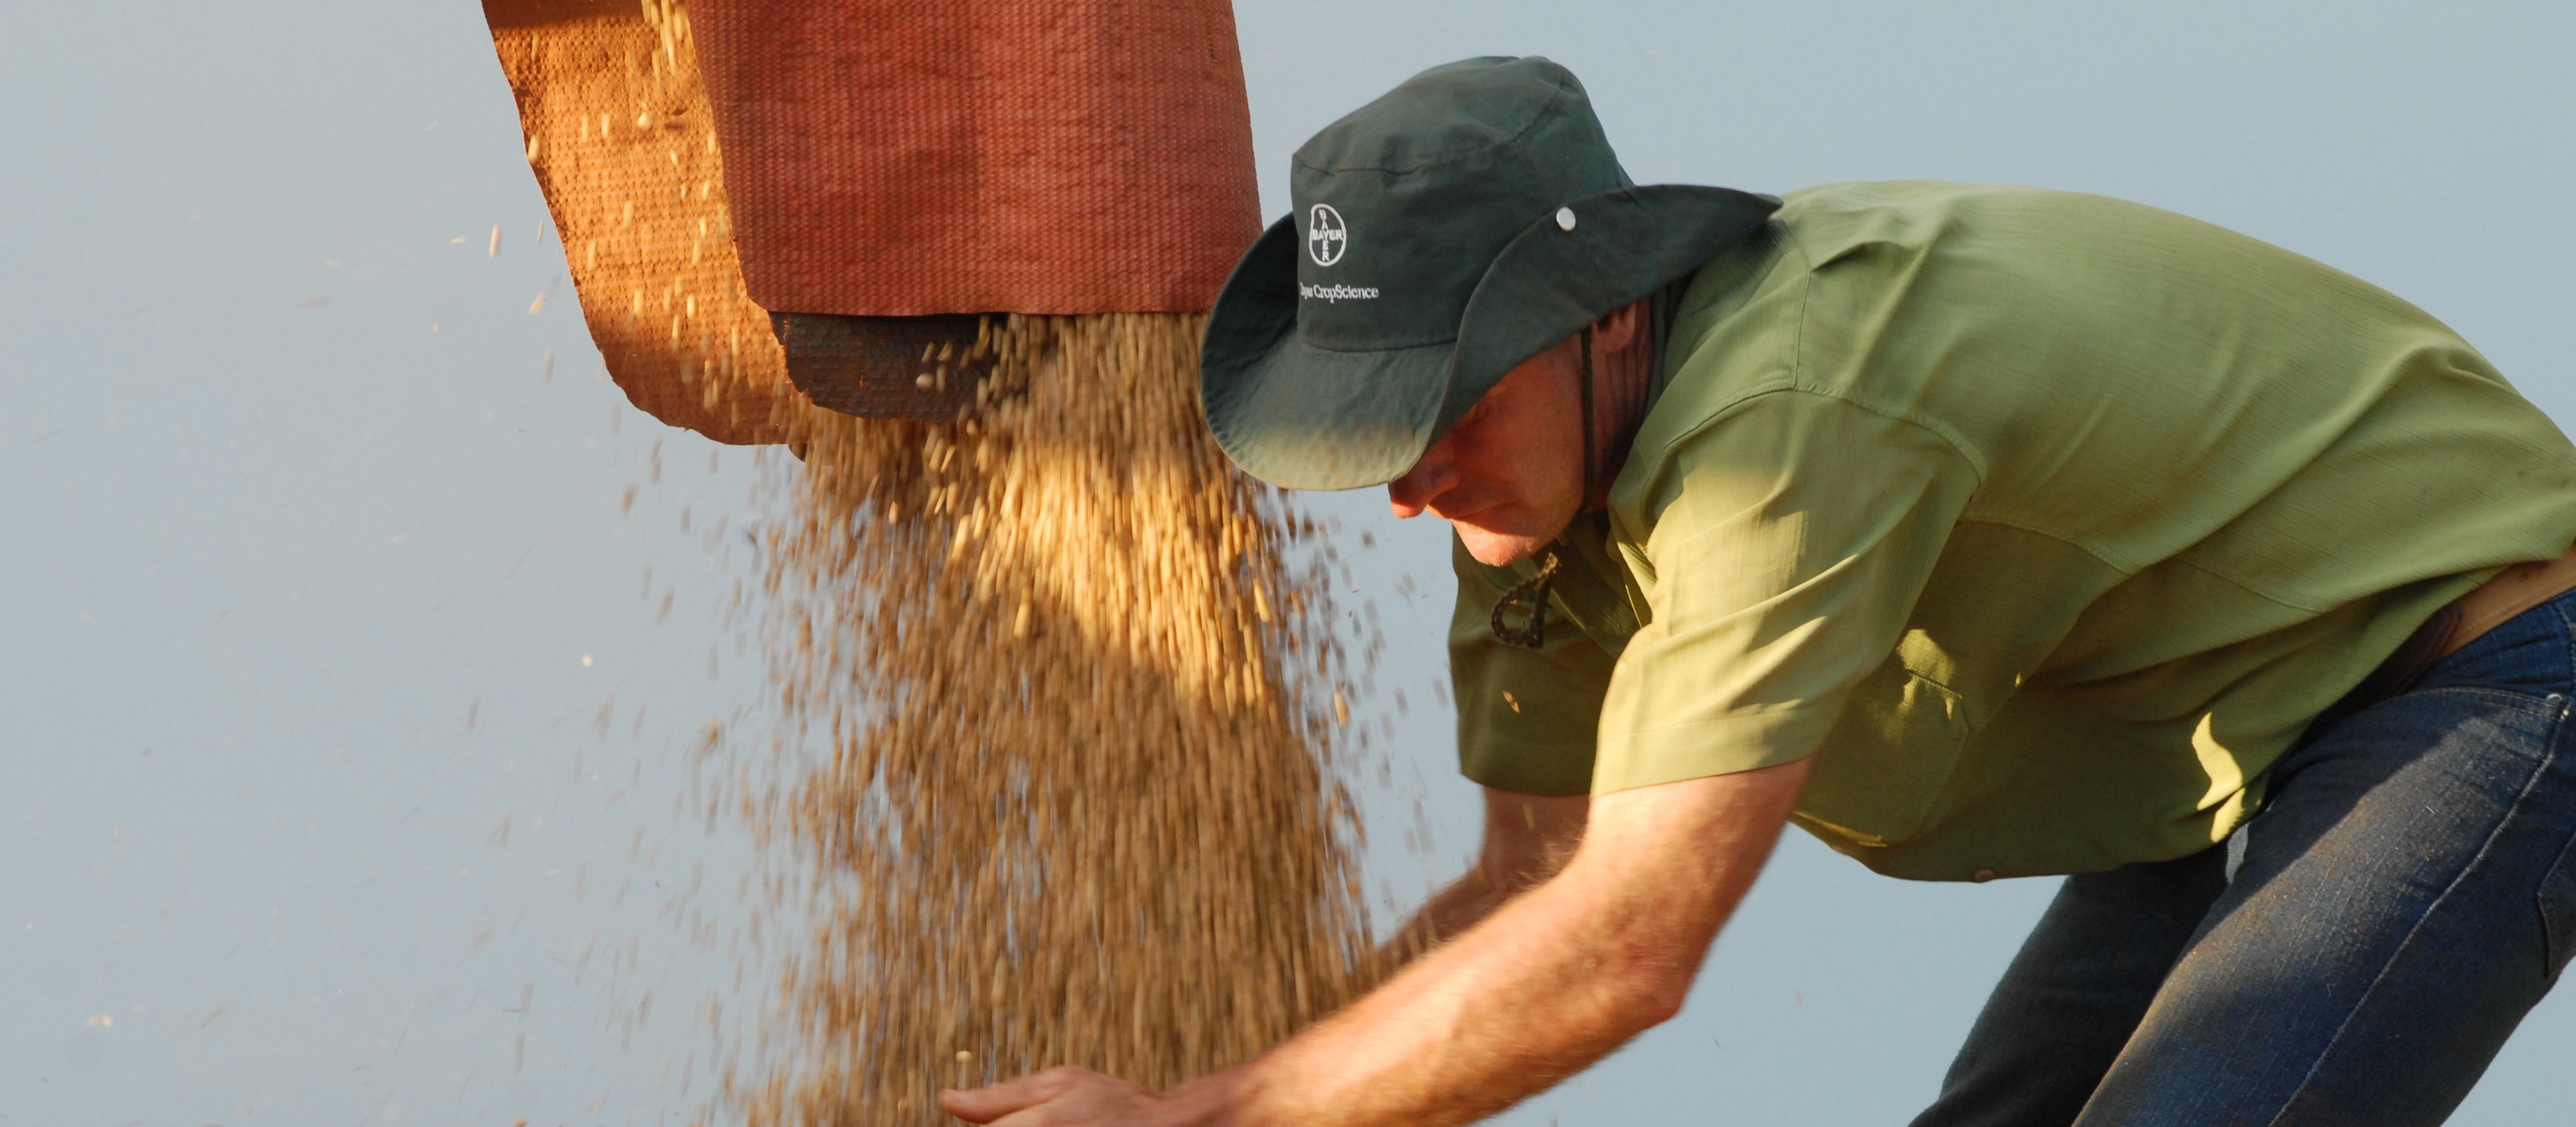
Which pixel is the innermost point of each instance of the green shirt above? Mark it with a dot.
(2044, 522)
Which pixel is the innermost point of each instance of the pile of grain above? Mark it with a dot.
(1058, 752)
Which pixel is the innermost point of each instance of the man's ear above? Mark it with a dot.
(1622, 327)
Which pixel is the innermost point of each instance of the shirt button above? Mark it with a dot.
(1981, 876)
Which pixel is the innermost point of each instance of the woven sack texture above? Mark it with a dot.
(907, 157)
(619, 135)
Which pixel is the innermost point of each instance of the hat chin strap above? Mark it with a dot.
(1533, 591)
(1615, 388)
(1591, 473)
(1626, 406)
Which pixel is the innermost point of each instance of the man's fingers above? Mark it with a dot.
(966, 1104)
(986, 1104)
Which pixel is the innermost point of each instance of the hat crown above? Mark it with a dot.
(1452, 112)
(1403, 203)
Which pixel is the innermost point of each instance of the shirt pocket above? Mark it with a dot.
(1883, 766)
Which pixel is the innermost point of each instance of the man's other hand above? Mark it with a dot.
(1065, 1097)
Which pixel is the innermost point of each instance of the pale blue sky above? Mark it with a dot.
(285, 497)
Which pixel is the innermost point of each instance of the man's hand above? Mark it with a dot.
(1067, 1097)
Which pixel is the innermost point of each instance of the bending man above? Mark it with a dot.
(1981, 532)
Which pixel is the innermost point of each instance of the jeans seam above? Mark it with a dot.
(2539, 772)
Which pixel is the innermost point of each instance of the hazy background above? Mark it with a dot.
(340, 744)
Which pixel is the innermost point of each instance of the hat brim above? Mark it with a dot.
(1303, 417)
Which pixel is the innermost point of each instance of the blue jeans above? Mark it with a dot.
(2406, 896)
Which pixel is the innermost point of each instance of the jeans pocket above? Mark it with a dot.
(2558, 910)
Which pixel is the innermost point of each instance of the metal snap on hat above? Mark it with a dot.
(1464, 222)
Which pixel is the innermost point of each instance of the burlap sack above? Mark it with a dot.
(618, 132)
(875, 170)
(905, 157)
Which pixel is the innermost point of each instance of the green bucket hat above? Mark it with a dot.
(1466, 221)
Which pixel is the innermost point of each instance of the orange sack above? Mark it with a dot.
(908, 157)
(618, 136)
(875, 174)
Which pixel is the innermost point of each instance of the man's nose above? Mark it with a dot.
(1413, 493)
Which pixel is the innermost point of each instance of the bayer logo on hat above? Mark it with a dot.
(1326, 237)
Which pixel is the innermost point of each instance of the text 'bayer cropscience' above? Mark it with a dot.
(1337, 293)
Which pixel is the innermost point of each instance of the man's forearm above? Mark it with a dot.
(1551, 982)
(1542, 989)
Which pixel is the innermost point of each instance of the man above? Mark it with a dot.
(1981, 532)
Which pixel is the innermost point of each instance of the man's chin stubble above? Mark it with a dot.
(1500, 549)
(1515, 541)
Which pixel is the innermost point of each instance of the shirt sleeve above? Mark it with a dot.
(1790, 536)
(1526, 718)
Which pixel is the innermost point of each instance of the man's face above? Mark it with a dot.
(1509, 475)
